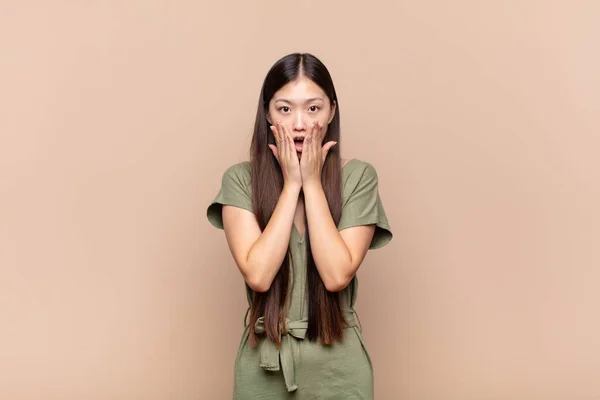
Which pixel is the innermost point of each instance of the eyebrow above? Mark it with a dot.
(307, 100)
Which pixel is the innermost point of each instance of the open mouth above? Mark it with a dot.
(299, 143)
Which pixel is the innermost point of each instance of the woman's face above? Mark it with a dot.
(296, 105)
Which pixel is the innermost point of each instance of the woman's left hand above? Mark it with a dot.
(314, 154)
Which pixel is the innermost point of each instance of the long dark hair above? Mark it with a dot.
(325, 317)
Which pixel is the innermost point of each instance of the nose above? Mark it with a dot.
(299, 122)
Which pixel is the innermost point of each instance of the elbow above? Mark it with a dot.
(340, 280)
(260, 288)
(337, 285)
(334, 287)
(258, 284)
(255, 277)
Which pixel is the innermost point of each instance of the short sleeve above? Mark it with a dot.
(363, 205)
(235, 191)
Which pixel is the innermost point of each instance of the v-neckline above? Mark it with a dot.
(295, 228)
(301, 237)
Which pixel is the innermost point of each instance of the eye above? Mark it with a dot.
(284, 109)
(313, 108)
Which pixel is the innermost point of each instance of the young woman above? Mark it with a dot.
(299, 221)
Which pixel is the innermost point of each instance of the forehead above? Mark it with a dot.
(300, 89)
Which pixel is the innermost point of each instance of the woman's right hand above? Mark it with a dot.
(285, 153)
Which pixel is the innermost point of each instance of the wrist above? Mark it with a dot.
(312, 185)
(292, 188)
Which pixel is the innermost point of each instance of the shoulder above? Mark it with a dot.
(359, 177)
(356, 170)
(239, 171)
(242, 167)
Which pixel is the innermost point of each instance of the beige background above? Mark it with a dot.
(118, 119)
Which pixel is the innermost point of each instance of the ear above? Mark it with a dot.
(332, 114)
(268, 118)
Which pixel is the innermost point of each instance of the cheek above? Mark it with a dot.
(276, 115)
(321, 116)
(324, 116)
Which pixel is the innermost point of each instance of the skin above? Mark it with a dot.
(300, 108)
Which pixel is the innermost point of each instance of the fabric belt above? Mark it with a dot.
(274, 359)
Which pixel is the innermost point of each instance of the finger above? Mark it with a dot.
(317, 131)
(326, 148)
(315, 139)
(305, 156)
(291, 146)
(282, 142)
(283, 150)
(307, 142)
(275, 133)
(322, 131)
(313, 129)
(275, 152)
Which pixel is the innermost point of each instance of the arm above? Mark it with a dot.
(257, 254)
(337, 255)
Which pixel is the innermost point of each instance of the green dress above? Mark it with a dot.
(302, 369)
